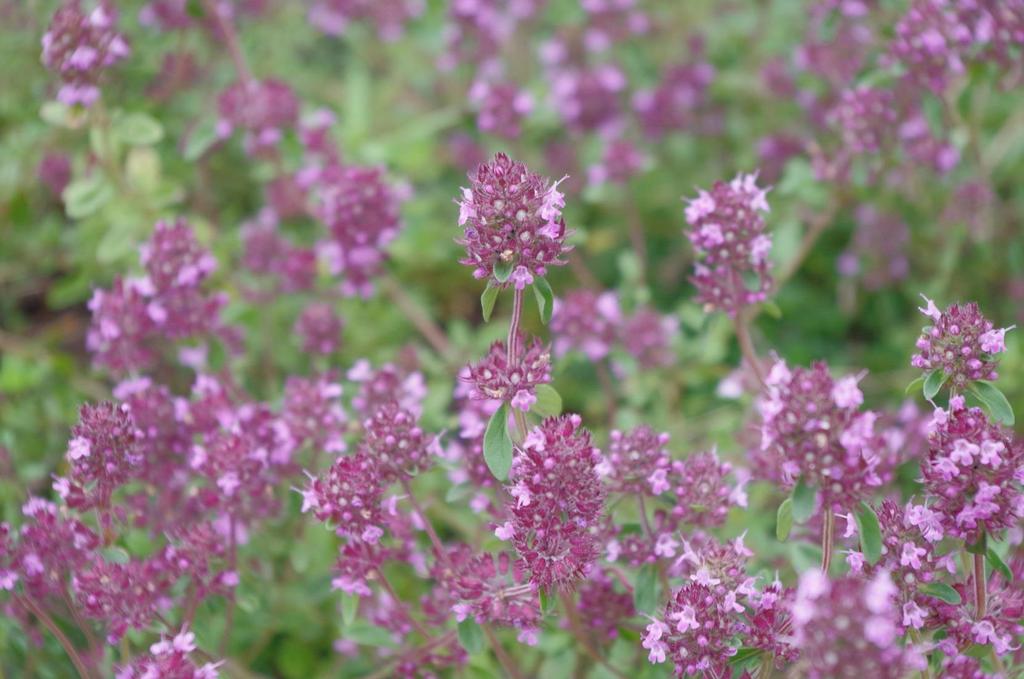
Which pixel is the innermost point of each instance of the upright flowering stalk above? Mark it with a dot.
(974, 466)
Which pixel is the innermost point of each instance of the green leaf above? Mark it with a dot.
(84, 197)
(366, 634)
(545, 298)
(746, 658)
(784, 520)
(645, 594)
(471, 636)
(772, 309)
(998, 564)
(547, 601)
(487, 300)
(549, 401)
(115, 554)
(979, 650)
(933, 381)
(498, 444)
(978, 547)
(349, 608)
(870, 533)
(200, 138)
(914, 385)
(502, 270)
(994, 401)
(457, 493)
(942, 591)
(137, 129)
(803, 502)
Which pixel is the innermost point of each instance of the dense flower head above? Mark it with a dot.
(313, 412)
(557, 498)
(848, 628)
(357, 563)
(348, 496)
(931, 43)
(878, 253)
(674, 104)
(996, 26)
(176, 267)
(266, 252)
(701, 487)
(125, 596)
(169, 659)
(389, 17)
(320, 329)
(489, 588)
(54, 172)
(121, 328)
(501, 107)
(1001, 625)
(395, 442)
(512, 218)
(732, 247)
(103, 451)
(720, 566)
(389, 382)
(604, 603)
(588, 98)
(620, 162)
(633, 459)
(495, 378)
(79, 45)
(50, 544)
(587, 321)
(909, 538)
(697, 633)
(769, 628)
(973, 473)
(813, 426)
(263, 109)
(961, 342)
(360, 209)
(865, 116)
(647, 336)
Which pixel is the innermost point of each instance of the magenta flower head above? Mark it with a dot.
(588, 321)
(79, 45)
(264, 110)
(728, 234)
(501, 107)
(361, 211)
(489, 589)
(931, 42)
(557, 499)
(389, 17)
(320, 329)
(848, 628)
(494, 378)
(512, 218)
(973, 472)
(636, 461)
(313, 412)
(348, 496)
(698, 632)
(812, 426)
(703, 491)
(125, 596)
(394, 441)
(169, 659)
(647, 336)
(960, 342)
(103, 451)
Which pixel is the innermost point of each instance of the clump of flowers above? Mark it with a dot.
(586, 321)
(849, 628)
(512, 220)
(636, 461)
(728, 233)
(961, 342)
(973, 472)
(396, 443)
(320, 329)
(813, 427)
(79, 46)
(557, 498)
(349, 496)
(495, 377)
(264, 110)
(698, 632)
(501, 107)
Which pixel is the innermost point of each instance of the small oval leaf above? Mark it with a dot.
(498, 444)
(784, 520)
(549, 401)
(545, 298)
(942, 591)
(803, 501)
(645, 594)
(999, 565)
(933, 382)
(487, 300)
(502, 270)
(471, 636)
(994, 401)
(870, 533)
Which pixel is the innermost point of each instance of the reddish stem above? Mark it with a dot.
(980, 594)
(69, 648)
(827, 538)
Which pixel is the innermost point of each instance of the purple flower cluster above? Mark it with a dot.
(495, 378)
(80, 45)
(557, 498)
(512, 220)
(960, 342)
(389, 17)
(728, 234)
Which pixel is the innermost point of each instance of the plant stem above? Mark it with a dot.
(828, 529)
(741, 321)
(231, 42)
(229, 616)
(980, 595)
(504, 660)
(69, 648)
(401, 604)
(419, 318)
(434, 539)
(581, 636)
